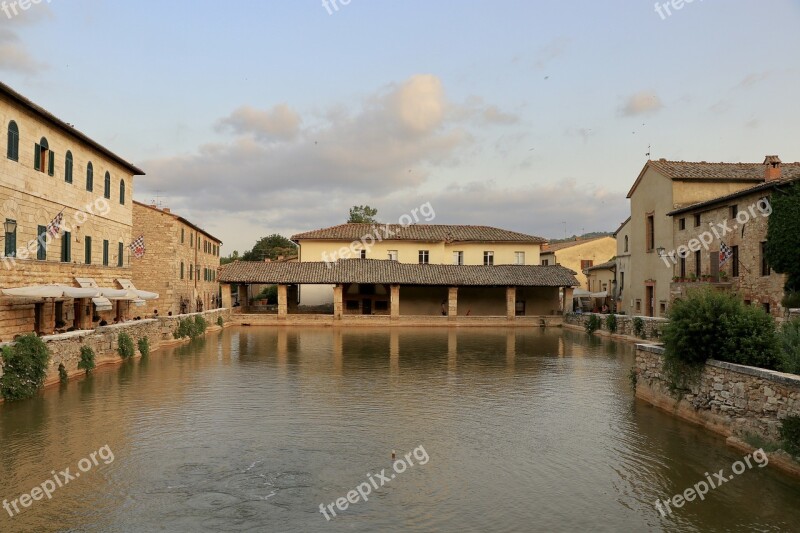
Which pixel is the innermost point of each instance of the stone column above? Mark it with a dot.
(227, 296)
(338, 302)
(452, 303)
(244, 300)
(395, 302)
(511, 302)
(568, 299)
(283, 308)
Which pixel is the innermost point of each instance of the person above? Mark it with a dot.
(103, 322)
(605, 309)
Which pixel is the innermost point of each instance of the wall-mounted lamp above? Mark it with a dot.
(10, 226)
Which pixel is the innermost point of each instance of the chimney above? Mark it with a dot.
(280, 258)
(772, 168)
(268, 260)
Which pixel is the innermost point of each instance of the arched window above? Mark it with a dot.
(89, 176)
(626, 243)
(107, 186)
(13, 141)
(68, 167)
(43, 158)
(122, 192)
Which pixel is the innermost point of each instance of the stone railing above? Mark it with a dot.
(733, 400)
(652, 326)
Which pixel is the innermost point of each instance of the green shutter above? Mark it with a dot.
(51, 164)
(105, 253)
(88, 251)
(121, 256)
(37, 157)
(41, 243)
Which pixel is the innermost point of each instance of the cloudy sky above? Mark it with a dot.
(275, 116)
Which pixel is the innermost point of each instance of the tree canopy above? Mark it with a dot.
(271, 247)
(783, 235)
(362, 214)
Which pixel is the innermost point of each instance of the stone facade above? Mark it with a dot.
(733, 400)
(75, 176)
(180, 262)
(652, 326)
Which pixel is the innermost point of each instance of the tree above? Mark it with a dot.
(783, 236)
(271, 247)
(230, 259)
(362, 214)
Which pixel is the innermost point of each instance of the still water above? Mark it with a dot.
(252, 429)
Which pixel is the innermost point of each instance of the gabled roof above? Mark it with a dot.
(418, 232)
(392, 272)
(783, 182)
(66, 128)
(627, 220)
(609, 265)
(558, 246)
(177, 217)
(702, 171)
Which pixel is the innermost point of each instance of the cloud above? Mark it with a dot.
(641, 103)
(752, 79)
(583, 133)
(278, 123)
(553, 50)
(14, 57)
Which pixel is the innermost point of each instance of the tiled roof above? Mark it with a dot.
(684, 170)
(609, 265)
(555, 247)
(620, 227)
(418, 232)
(728, 197)
(392, 272)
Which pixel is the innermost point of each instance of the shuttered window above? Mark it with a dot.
(13, 141)
(89, 177)
(68, 167)
(41, 243)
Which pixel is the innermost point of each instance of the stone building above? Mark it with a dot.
(622, 278)
(736, 222)
(180, 262)
(579, 254)
(51, 168)
(661, 188)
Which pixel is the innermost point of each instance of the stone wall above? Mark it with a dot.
(652, 326)
(733, 400)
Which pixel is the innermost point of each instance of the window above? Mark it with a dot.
(122, 192)
(520, 257)
(765, 268)
(183, 236)
(663, 308)
(363, 254)
(191, 240)
(105, 252)
(87, 248)
(424, 257)
(650, 228)
(735, 261)
(734, 210)
(43, 158)
(697, 264)
(586, 263)
(89, 177)
(351, 305)
(683, 268)
(626, 244)
(41, 243)
(381, 305)
(393, 255)
(488, 258)
(621, 283)
(107, 186)
(68, 167)
(13, 141)
(121, 255)
(697, 220)
(191, 271)
(682, 223)
(766, 307)
(545, 262)
(181, 269)
(638, 306)
(458, 258)
(66, 247)
(11, 240)
(197, 272)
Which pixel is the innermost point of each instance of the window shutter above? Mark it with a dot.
(37, 157)
(121, 256)
(51, 164)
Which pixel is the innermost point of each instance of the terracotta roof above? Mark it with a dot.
(67, 128)
(418, 232)
(393, 272)
(728, 197)
(555, 247)
(609, 265)
(177, 217)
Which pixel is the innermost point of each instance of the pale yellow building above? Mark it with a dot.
(622, 279)
(414, 244)
(662, 187)
(51, 168)
(579, 254)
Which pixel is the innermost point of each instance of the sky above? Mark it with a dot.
(259, 117)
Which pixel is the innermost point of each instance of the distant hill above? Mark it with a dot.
(592, 235)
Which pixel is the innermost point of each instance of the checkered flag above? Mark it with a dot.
(725, 253)
(54, 227)
(137, 247)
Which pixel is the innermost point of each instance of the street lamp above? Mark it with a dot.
(10, 226)
(661, 251)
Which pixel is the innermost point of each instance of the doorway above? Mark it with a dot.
(650, 300)
(366, 306)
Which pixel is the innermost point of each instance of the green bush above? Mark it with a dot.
(638, 327)
(125, 346)
(192, 328)
(791, 300)
(592, 324)
(220, 321)
(790, 433)
(200, 324)
(24, 367)
(270, 294)
(789, 342)
(87, 359)
(611, 323)
(144, 346)
(710, 324)
(63, 377)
